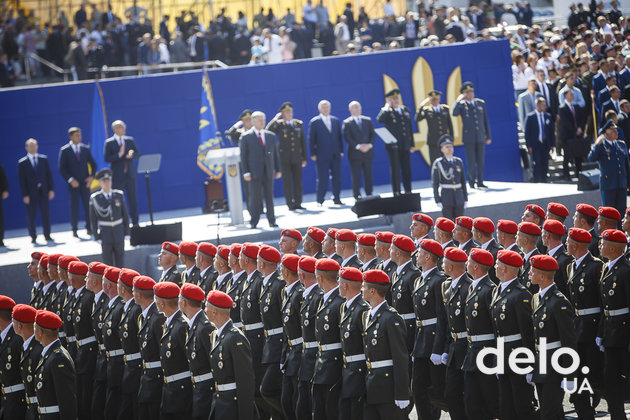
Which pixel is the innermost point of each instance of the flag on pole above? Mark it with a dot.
(98, 133)
(208, 136)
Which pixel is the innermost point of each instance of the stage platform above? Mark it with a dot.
(500, 201)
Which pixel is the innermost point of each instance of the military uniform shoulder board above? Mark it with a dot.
(481, 100)
(296, 121)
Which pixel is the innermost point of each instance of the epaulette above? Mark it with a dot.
(95, 193)
(65, 146)
(481, 100)
(298, 121)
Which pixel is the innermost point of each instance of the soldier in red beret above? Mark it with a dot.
(48, 289)
(312, 244)
(382, 246)
(95, 283)
(290, 240)
(206, 261)
(585, 217)
(462, 234)
(235, 287)
(534, 214)
(13, 403)
(552, 234)
(187, 256)
(625, 222)
(527, 237)
(483, 229)
(557, 211)
(345, 248)
(444, 232)
(167, 260)
(32, 269)
(608, 218)
(23, 324)
(420, 227)
(506, 235)
(62, 287)
(328, 245)
(366, 251)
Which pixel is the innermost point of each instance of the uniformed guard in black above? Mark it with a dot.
(13, 397)
(486, 241)
(449, 181)
(33, 273)
(68, 326)
(31, 354)
(49, 291)
(94, 283)
(190, 274)
(113, 349)
(132, 359)
(438, 117)
(527, 244)
(60, 297)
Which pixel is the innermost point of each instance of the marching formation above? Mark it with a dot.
(366, 326)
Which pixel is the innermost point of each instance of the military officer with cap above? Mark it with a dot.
(526, 238)
(63, 286)
(292, 149)
(23, 324)
(609, 218)
(109, 219)
(47, 294)
(289, 241)
(234, 133)
(167, 259)
(221, 268)
(13, 402)
(449, 180)
(187, 256)
(585, 217)
(439, 122)
(476, 132)
(205, 260)
(111, 342)
(444, 233)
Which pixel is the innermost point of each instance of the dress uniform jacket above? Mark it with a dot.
(271, 317)
(308, 312)
(335, 257)
(149, 335)
(351, 328)
(615, 293)
(399, 125)
(235, 133)
(132, 359)
(193, 277)
(100, 372)
(329, 362)
(354, 261)
(523, 276)
(13, 397)
(177, 390)
(475, 127)
(28, 363)
(292, 349)
(48, 297)
(560, 278)
(454, 299)
(402, 289)
(113, 347)
(291, 142)
(231, 364)
(432, 328)
(469, 245)
(67, 335)
(86, 344)
(110, 223)
(449, 182)
(55, 384)
(172, 275)
(36, 292)
(235, 290)
(439, 123)
(615, 170)
(372, 264)
(593, 247)
(251, 316)
(493, 247)
(478, 320)
(198, 347)
(225, 281)
(60, 297)
(584, 294)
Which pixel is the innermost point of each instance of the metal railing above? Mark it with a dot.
(52, 66)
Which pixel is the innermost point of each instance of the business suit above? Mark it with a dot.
(262, 163)
(539, 142)
(326, 145)
(475, 132)
(610, 104)
(4, 187)
(28, 363)
(360, 162)
(439, 123)
(198, 347)
(55, 383)
(526, 105)
(124, 170)
(398, 123)
(130, 383)
(36, 182)
(615, 172)
(570, 121)
(176, 391)
(77, 166)
(150, 390)
(292, 348)
(13, 403)
(548, 92)
(623, 122)
(87, 348)
(602, 96)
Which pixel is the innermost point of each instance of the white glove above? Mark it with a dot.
(127, 237)
(436, 359)
(439, 205)
(413, 359)
(98, 241)
(598, 341)
(465, 204)
(282, 367)
(528, 378)
(402, 404)
(601, 348)
(444, 358)
(567, 385)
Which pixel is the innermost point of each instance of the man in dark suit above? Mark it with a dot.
(623, 119)
(196, 45)
(4, 194)
(570, 126)
(324, 137)
(36, 184)
(120, 151)
(359, 133)
(612, 103)
(261, 164)
(548, 92)
(540, 139)
(108, 17)
(77, 167)
(438, 117)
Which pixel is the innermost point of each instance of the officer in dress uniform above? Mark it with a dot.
(220, 267)
(13, 397)
(167, 259)
(449, 181)
(444, 234)
(205, 262)
(462, 233)
(345, 248)
(60, 285)
(397, 119)
(292, 149)
(235, 288)
(187, 255)
(419, 229)
(384, 337)
(234, 133)
(289, 242)
(526, 238)
(585, 217)
(48, 289)
(23, 320)
(366, 251)
(67, 313)
(231, 363)
(506, 235)
(438, 118)
(608, 218)
(483, 229)
(63, 287)
(111, 342)
(552, 234)
(94, 284)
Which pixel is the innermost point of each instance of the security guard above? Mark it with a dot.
(234, 133)
(187, 256)
(94, 284)
(220, 267)
(23, 320)
(292, 148)
(397, 119)
(449, 181)
(167, 259)
(552, 234)
(438, 118)
(109, 219)
(462, 233)
(13, 398)
(235, 288)
(231, 363)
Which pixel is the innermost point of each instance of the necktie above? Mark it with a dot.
(34, 160)
(77, 153)
(358, 120)
(262, 143)
(573, 113)
(616, 106)
(541, 128)
(327, 122)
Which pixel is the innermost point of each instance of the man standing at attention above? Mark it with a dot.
(359, 133)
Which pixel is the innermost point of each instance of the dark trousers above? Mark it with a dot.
(31, 412)
(615, 370)
(128, 406)
(264, 410)
(112, 402)
(358, 166)
(434, 153)
(475, 159)
(113, 253)
(454, 392)
(98, 400)
(128, 184)
(84, 396)
(289, 396)
(292, 183)
(615, 198)
(271, 389)
(409, 42)
(481, 398)
(593, 358)
(304, 404)
(328, 168)
(40, 200)
(540, 162)
(565, 164)
(257, 188)
(326, 401)
(452, 212)
(427, 386)
(550, 395)
(81, 193)
(387, 411)
(516, 398)
(180, 415)
(351, 408)
(399, 160)
(148, 411)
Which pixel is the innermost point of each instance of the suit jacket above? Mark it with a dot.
(605, 107)
(615, 294)
(478, 319)
(583, 286)
(291, 142)
(271, 316)
(149, 335)
(55, 381)
(258, 161)
(532, 130)
(292, 353)
(475, 127)
(71, 167)
(552, 99)
(602, 96)
(439, 123)
(598, 83)
(399, 125)
(356, 135)
(129, 335)
(176, 395)
(623, 121)
(526, 105)
(111, 341)
(323, 143)
(568, 125)
(31, 179)
(431, 336)
(454, 299)
(402, 287)
(613, 164)
(198, 348)
(329, 363)
(351, 328)
(308, 311)
(117, 163)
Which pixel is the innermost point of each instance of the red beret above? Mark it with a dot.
(536, 209)
(586, 209)
(614, 235)
(404, 242)
(327, 264)
(445, 224)
(78, 267)
(580, 235)
(6, 302)
(292, 233)
(345, 235)
(208, 249)
(54, 258)
(543, 262)
(236, 249)
(628, 210)
(483, 224)
(507, 226)
(127, 275)
(332, 232)
(112, 274)
(424, 218)
(510, 258)
(366, 239)
(220, 299)
(270, 254)
(385, 237)
(464, 221)
(482, 256)
(610, 212)
(37, 255)
(143, 282)
(166, 290)
(250, 250)
(193, 292)
(554, 226)
(188, 248)
(291, 261)
(223, 250)
(97, 267)
(65, 260)
(432, 246)
(43, 261)
(316, 233)
(24, 313)
(351, 273)
(558, 209)
(307, 263)
(171, 247)
(376, 276)
(456, 254)
(529, 228)
(47, 319)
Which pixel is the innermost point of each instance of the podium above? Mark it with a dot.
(230, 157)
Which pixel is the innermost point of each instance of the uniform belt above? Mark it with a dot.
(274, 331)
(101, 346)
(87, 340)
(310, 344)
(226, 387)
(327, 347)
(238, 325)
(380, 364)
(61, 334)
(510, 338)
(459, 335)
(295, 342)
(12, 388)
(114, 353)
(177, 377)
(201, 378)
(72, 339)
(480, 337)
(587, 311)
(426, 322)
(552, 346)
(32, 400)
(151, 365)
(616, 312)
(354, 358)
(408, 316)
(132, 356)
(249, 327)
(51, 409)
(451, 186)
(110, 224)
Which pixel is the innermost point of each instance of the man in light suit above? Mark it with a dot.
(120, 151)
(36, 184)
(359, 133)
(260, 173)
(324, 137)
(540, 139)
(527, 101)
(77, 167)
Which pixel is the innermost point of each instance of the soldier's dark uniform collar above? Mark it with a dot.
(46, 349)
(426, 273)
(352, 299)
(506, 284)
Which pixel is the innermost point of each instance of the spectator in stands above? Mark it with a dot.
(623, 119)
(179, 49)
(342, 34)
(411, 30)
(310, 16)
(80, 16)
(7, 72)
(527, 101)
(272, 46)
(388, 9)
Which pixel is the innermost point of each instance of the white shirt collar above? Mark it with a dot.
(188, 271)
(529, 254)
(456, 281)
(165, 271)
(170, 318)
(553, 251)
(349, 301)
(290, 287)
(506, 284)
(31, 156)
(612, 263)
(461, 246)
(97, 296)
(476, 282)
(324, 117)
(250, 275)
(78, 291)
(429, 271)
(267, 278)
(344, 262)
(45, 349)
(579, 260)
(129, 302)
(37, 283)
(485, 245)
(48, 286)
(203, 273)
(4, 332)
(386, 262)
(112, 301)
(543, 291)
(27, 342)
(59, 283)
(145, 312)
(220, 329)
(190, 322)
(237, 275)
(308, 290)
(400, 267)
(375, 309)
(330, 292)
(365, 266)
(221, 278)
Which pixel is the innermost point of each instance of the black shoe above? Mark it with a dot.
(252, 226)
(472, 184)
(33, 239)
(75, 234)
(481, 185)
(338, 202)
(273, 225)
(89, 232)
(320, 204)
(49, 238)
(135, 225)
(299, 207)
(2, 244)
(291, 206)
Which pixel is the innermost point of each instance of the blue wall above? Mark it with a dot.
(162, 113)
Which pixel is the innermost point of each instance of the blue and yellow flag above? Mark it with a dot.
(208, 137)
(98, 132)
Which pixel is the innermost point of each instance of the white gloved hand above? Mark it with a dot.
(465, 204)
(281, 367)
(601, 348)
(127, 237)
(567, 385)
(436, 359)
(528, 378)
(440, 205)
(98, 241)
(598, 341)
(413, 359)
(444, 358)
(402, 404)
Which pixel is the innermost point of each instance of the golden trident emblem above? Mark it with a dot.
(422, 82)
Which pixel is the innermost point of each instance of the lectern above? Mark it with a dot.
(230, 157)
